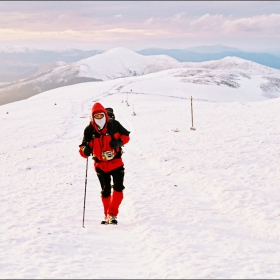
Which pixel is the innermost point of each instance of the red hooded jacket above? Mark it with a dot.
(98, 140)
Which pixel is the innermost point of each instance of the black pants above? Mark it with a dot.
(105, 180)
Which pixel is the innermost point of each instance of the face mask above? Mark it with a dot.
(100, 120)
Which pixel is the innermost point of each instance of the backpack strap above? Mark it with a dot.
(110, 128)
(89, 134)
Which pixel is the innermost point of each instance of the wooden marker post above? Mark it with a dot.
(192, 128)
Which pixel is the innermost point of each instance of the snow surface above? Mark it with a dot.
(197, 204)
(122, 62)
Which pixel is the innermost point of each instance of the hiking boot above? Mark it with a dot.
(112, 220)
(105, 221)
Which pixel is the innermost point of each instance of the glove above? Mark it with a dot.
(86, 150)
(115, 143)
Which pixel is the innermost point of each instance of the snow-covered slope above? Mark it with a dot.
(112, 64)
(121, 62)
(234, 63)
(197, 204)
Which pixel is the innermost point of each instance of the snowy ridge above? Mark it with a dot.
(121, 62)
(236, 63)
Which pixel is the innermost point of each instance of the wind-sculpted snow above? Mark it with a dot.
(271, 87)
(207, 77)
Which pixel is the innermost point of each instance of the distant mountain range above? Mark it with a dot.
(112, 64)
(202, 54)
(19, 63)
(121, 62)
(212, 49)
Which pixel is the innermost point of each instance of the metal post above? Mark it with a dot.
(85, 195)
(192, 128)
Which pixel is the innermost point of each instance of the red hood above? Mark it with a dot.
(98, 108)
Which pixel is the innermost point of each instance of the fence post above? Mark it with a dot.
(192, 128)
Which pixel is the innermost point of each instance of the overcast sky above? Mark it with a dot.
(249, 25)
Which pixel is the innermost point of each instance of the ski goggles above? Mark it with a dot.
(99, 116)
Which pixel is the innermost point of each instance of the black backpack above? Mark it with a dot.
(110, 113)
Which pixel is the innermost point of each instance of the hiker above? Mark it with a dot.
(103, 139)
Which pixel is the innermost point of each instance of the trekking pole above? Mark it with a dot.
(192, 128)
(85, 194)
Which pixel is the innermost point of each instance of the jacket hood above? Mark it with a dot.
(98, 108)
